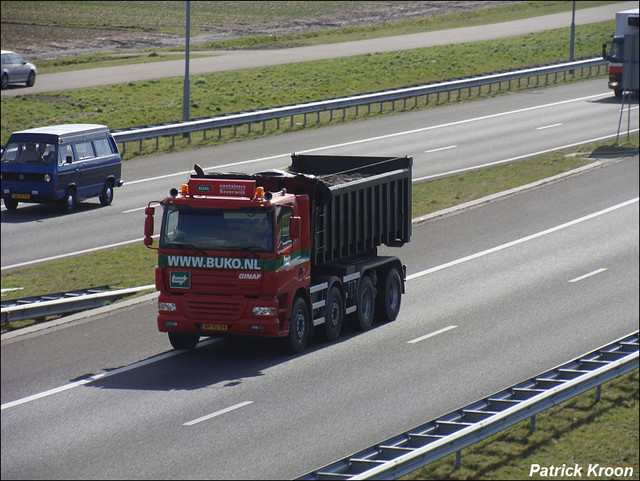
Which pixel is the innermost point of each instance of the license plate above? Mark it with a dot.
(20, 196)
(215, 327)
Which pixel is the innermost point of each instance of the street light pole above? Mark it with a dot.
(187, 84)
(573, 30)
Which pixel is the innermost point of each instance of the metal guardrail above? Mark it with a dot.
(458, 429)
(402, 94)
(62, 302)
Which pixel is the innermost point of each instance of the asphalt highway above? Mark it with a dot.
(515, 287)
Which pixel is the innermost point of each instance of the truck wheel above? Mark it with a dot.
(68, 202)
(299, 326)
(11, 204)
(334, 314)
(107, 194)
(388, 300)
(617, 93)
(366, 304)
(183, 341)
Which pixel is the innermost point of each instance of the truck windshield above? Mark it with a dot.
(617, 50)
(29, 153)
(246, 229)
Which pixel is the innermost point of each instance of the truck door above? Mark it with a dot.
(291, 272)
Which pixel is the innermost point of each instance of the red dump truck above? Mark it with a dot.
(282, 253)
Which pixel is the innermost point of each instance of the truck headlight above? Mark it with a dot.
(47, 178)
(166, 306)
(264, 311)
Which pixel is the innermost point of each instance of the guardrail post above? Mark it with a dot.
(598, 393)
(458, 459)
(532, 424)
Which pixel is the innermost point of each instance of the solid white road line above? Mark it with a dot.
(521, 240)
(95, 377)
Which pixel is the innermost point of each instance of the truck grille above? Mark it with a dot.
(218, 309)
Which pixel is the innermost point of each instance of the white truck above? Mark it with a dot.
(626, 25)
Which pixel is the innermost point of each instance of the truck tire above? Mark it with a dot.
(389, 298)
(617, 92)
(298, 326)
(334, 314)
(183, 341)
(363, 317)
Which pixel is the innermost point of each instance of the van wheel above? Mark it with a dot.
(183, 341)
(107, 194)
(334, 314)
(5, 81)
(363, 317)
(388, 300)
(11, 204)
(32, 79)
(68, 202)
(299, 326)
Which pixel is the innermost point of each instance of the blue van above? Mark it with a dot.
(64, 164)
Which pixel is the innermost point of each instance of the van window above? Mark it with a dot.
(64, 151)
(102, 147)
(85, 150)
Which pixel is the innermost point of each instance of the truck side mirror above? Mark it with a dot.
(294, 227)
(148, 226)
(69, 159)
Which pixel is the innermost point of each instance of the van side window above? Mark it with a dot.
(102, 147)
(85, 150)
(64, 151)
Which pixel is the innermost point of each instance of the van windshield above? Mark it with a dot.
(40, 153)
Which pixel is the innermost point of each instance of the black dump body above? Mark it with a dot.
(358, 203)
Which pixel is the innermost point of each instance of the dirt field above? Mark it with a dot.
(39, 41)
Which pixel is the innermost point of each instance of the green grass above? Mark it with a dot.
(157, 101)
(580, 431)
